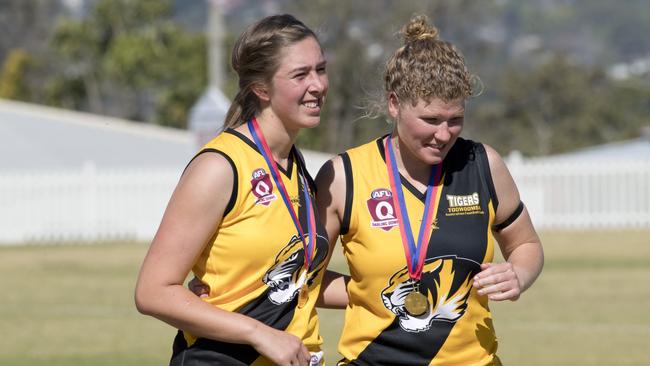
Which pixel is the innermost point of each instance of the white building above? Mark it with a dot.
(74, 176)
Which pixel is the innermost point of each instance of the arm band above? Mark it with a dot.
(510, 219)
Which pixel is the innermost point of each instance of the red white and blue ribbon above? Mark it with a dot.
(263, 147)
(415, 255)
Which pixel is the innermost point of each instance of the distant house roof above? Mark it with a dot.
(34, 137)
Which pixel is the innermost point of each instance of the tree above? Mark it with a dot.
(132, 60)
(358, 37)
(13, 83)
(559, 106)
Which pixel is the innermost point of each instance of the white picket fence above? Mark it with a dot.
(92, 205)
(569, 195)
(83, 205)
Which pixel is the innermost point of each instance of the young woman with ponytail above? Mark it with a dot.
(242, 217)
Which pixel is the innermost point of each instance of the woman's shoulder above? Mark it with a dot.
(227, 138)
(368, 148)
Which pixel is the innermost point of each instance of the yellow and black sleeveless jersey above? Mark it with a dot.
(457, 327)
(254, 262)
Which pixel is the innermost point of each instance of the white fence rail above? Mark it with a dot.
(83, 205)
(89, 205)
(563, 195)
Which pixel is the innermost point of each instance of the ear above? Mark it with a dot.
(393, 105)
(261, 91)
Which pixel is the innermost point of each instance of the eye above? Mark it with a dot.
(322, 70)
(456, 120)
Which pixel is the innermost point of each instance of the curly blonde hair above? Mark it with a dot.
(426, 67)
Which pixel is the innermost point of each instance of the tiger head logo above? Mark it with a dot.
(287, 275)
(447, 282)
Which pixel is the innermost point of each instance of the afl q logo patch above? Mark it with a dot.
(382, 211)
(262, 187)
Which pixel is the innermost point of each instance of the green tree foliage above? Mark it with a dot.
(132, 61)
(543, 64)
(13, 83)
(65, 92)
(560, 106)
(543, 91)
(182, 77)
(358, 38)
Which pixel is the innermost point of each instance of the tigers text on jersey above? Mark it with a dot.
(254, 263)
(457, 327)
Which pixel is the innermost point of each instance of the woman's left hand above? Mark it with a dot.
(499, 281)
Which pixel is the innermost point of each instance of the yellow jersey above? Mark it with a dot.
(254, 262)
(456, 328)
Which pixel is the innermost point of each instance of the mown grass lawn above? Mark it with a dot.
(73, 305)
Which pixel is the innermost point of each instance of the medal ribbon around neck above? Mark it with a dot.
(261, 144)
(414, 254)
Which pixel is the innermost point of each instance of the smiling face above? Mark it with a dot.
(297, 90)
(428, 130)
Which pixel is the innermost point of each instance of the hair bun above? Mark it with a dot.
(418, 29)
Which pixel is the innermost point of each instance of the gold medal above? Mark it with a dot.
(303, 296)
(416, 303)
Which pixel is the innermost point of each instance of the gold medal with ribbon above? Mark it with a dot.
(415, 302)
(309, 243)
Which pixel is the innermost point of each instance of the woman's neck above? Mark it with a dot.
(415, 170)
(279, 139)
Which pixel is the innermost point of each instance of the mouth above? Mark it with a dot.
(436, 146)
(313, 104)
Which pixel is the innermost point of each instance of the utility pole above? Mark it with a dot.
(209, 112)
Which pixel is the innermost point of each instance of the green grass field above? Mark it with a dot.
(73, 305)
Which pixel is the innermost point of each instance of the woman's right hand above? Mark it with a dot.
(199, 288)
(280, 347)
(283, 348)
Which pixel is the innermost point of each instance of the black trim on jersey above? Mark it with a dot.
(510, 219)
(287, 172)
(235, 185)
(302, 213)
(210, 352)
(302, 168)
(422, 196)
(242, 137)
(349, 193)
(484, 169)
(397, 347)
(233, 194)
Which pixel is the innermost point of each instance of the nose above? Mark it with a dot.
(442, 133)
(318, 83)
